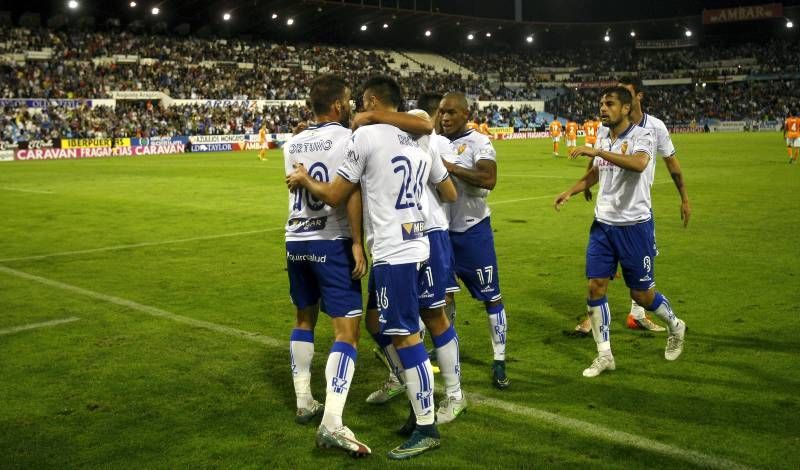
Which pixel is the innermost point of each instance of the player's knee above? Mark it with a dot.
(435, 320)
(644, 298)
(347, 330)
(597, 288)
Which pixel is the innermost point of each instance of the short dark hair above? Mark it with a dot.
(325, 90)
(638, 86)
(460, 98)
(622, 93)
(386, 89)
(429, 102)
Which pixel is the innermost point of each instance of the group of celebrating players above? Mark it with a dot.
(414, 185)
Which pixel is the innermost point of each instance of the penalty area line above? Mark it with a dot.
(570, 424)
(34, 326)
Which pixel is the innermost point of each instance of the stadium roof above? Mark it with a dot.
(509, 22)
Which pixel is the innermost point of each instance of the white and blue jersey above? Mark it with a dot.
(470, 224)
(394, 172)
(623, 232)
(319, 255)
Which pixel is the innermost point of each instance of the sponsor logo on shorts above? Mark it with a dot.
(426, 294)
(309, 257)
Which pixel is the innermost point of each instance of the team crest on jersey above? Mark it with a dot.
(625, 147)
(461, 148)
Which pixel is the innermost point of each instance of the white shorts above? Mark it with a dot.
(572, 143)
(557, 139)
(589, 144)
(795, 142)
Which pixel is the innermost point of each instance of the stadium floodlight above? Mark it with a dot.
(226, 16)
(633, 33)
(72, 4)
(385, 25)
(607, 37)
(789, 23)
(529, 39)
(155, 10)
(363, 27)
(488, 35)
(274, 16)
(290, 22)
(704, 84)
(470, 36)
(427, 33)
(132, 4)
(688, 33)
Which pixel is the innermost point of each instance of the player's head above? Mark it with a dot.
(634, 86)
(615, 106)
(454, 112)
(330, 99)
(381, 93)
(429, 102)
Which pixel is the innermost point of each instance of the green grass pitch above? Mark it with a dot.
(121, 387)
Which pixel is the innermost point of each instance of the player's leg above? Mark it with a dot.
(393, 386)
(341, 297)
(789, 149)
(796, 146)
(638, 319)
(555, 146)
(397, 298)
(476, 265)
(601, 266)
(638, 269)
(305, 295)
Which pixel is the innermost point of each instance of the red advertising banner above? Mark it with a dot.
(754, 12)
(97, 152)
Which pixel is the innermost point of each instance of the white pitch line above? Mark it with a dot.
(146, 309)
(509, 201)
(139, 245)
(34, 191)
(33, 326)
(570, 424)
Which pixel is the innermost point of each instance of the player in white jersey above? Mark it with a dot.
(474, 167)
(432, 300)
(622, 232)
(393, 171)
(637, 318)
(325, 260)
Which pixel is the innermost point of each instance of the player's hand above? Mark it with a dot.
(296, 178)
(587, 194)
(361, 119)
(686, 212)
(300, 127)
(583, 150)
(360, 257)
(561, 200)
(450, 167)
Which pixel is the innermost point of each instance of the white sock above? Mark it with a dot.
(339, 376)
(637, 311)
(301, 351)
(600, 317)
(497, 329)
(418, 375)
(447, 354)
(663, 309)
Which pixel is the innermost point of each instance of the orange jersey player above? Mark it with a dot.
(473, 125)
(484, 128)
(572, 134)
(590, 132)
(555, 133)
(262, 142)
(791, 130)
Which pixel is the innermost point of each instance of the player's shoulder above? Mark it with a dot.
(654, 123)
(639, 131)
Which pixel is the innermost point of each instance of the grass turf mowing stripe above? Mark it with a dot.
(140, 245)
(33, 326)
(569, 424)
(21, 190)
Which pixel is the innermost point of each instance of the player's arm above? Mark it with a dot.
(447, 190)
(587, 181)
(332, 194)
(636, 162)
(407, 122)
(354, 218)
(587, 192)
(484, 175)
(674, 168)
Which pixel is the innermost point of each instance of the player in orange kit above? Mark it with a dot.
(555, 133)
(572, 135)
(590, 132)
(791, 131)
(262, 142)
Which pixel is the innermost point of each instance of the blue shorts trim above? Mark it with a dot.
(319, 270)
(631, 246)
(476, 261)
